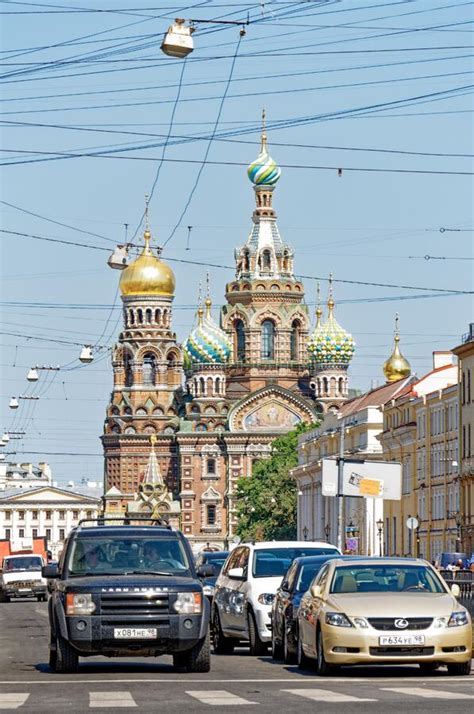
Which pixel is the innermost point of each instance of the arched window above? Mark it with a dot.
(128, 371)
(140, 315)
(341, 386)
(267, 350)
(131, 317)
(211, 515)
(325, 386)
(246, 261)
(295, 340)
(266, 260)
(211, 466)
(149, 368)
(239, 347)
(149, 315)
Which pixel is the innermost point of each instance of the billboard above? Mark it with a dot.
(366, 479)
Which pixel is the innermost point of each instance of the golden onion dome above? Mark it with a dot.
(396, 367)
(147, 275)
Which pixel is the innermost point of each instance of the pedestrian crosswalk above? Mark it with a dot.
(369, 692)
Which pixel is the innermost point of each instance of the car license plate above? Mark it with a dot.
(135, 633)
(401, 640)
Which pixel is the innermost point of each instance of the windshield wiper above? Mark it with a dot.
(149, 572)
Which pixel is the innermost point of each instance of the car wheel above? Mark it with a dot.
(221, 643)
(257, 647)
(461, 669)
(304, 662)
(67, 659)
(52, 654)
(428, 667)
(322, 667)
(198, 658)
(277, 648)
(288, 655)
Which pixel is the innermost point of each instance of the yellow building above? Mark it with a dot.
(465, 354)
(421, 431)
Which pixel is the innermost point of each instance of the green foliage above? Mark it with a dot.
(267, 501)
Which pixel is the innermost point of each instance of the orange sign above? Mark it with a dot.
(370, 487)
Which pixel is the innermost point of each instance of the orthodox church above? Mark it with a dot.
(186, 421)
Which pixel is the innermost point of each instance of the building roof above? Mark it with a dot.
(375, 398)
(27, 495)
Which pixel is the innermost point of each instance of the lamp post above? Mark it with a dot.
(379, 533)
(456, 515)
(305, 532)
(327, 531)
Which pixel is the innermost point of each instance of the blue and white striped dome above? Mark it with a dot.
(207, 343)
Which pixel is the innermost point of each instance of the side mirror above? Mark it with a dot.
(50, 571)
(455, 590)
(316, 591)
(236, 573)
(206, 571)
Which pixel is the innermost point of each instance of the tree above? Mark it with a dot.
(267, 502)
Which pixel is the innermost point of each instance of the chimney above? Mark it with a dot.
(443, 359)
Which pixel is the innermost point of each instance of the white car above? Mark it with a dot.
(246, 587)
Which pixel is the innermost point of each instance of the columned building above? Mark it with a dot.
(215, 403)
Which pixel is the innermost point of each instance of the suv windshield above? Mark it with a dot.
(33, 563)
(118, 556)
(385, 578)
(274, 562)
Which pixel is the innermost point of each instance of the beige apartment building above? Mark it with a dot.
(420, 430)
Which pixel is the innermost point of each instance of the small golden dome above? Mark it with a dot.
(147, 275)
(396, 367)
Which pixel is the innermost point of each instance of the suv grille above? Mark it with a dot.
(388, 623)
(140, 604)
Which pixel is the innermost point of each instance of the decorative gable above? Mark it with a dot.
(271, 409)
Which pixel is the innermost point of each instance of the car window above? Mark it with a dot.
(274, 562)
(322, 577)
(232, 560)
(17, 564)
(385, 578)
(289, 577)
(96, 556)
(306, 575)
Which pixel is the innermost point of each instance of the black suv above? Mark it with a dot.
(122, 590)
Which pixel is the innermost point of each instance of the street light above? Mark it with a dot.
(305, 532)
(33, 375)
(14, 403)
(178, 42)
(86, 355)
(379, 532)
(327, 531)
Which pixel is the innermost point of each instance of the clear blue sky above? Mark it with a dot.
(355, 76)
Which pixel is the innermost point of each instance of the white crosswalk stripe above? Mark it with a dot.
(217, 697)
(99, 700)
(12, 701)
(428, 693)
(325, 695)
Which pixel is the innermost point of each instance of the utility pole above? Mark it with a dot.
(340, 483)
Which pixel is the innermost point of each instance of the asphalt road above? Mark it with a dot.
(257, 684)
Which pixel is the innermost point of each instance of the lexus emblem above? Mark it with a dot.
(401, 623)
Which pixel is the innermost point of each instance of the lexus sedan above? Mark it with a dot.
(383, 611)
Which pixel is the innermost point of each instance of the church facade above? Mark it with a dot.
(214, 404)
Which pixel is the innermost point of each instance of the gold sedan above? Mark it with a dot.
(380, 611)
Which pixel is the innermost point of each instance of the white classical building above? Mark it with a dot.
(48, 511)
(24, 475)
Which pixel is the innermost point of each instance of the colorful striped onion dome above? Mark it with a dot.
(330, 343)
(264, 171)
(207, 343)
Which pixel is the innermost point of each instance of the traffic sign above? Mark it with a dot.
(412, 523)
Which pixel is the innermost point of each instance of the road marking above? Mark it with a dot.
(217, 697)
(325, 695)
(111, 699)
(12, 701)
(428, 693)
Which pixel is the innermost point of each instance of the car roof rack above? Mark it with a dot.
(126, 521)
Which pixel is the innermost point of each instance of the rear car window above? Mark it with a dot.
(274, 562)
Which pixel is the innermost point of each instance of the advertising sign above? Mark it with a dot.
(366, 479)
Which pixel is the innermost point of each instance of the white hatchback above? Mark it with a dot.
(246, 587)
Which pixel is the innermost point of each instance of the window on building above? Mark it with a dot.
(211, 466)
(21, 515)
(268, 340)
(48, 515)
(128, 370)
(463, 387)
(89, 514)
(34, 533)
(8, 515)
(239, 346)
(34, 515)
(8, 533)
(266, 260)
(149, 368)
(75, 515)
(62, 515)
(295, 339)
(211, 515)
(21, 532)
(48, 534)
(468, 395)
(62, 534)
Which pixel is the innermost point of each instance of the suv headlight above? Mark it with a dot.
(338, 619)
(266, 598)
(188, 603)
(458, 618)
(79, 604)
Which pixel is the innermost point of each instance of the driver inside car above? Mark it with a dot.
(157, 555)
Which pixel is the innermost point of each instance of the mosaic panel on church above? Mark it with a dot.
(272, 415)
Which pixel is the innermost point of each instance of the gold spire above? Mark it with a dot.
(147, 275)
(200, 311)
(396, 367)
(319, 312)
(330, 298)
(208, 301)
(263, 145)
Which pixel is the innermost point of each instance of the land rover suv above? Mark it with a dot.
(127, 590)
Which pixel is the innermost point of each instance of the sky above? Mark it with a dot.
(95, 116)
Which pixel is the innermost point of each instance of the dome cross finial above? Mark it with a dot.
(208, 302)
(319, 312)
(263, 147)
(330, 297)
